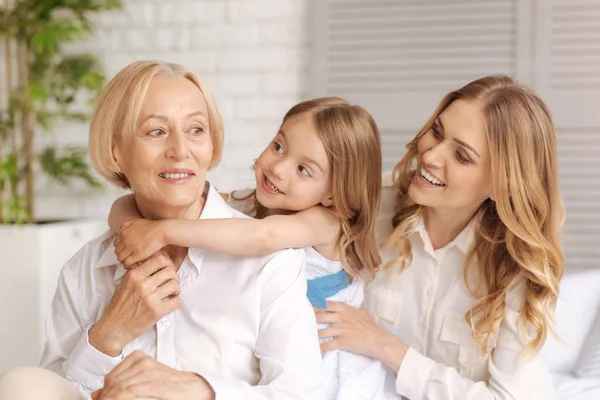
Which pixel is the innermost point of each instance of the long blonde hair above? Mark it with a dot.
(352, 143)
(518, 234)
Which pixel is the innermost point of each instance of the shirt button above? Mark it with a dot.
(165, 322)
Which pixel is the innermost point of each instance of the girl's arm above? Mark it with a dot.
(122, 210)
(240, 236)
(125, 209)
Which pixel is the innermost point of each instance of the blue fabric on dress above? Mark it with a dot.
(319, 289)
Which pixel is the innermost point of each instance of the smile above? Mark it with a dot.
(271, 186)
(430, 178)
(174, 176)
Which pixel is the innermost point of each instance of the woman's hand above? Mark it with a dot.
(139, 239)
(144, 295)
(141, 376)
(354, 330)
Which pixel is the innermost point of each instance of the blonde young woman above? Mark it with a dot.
(473, 260)
(318, 185)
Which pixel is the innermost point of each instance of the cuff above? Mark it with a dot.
(87, 366)
(413, 374)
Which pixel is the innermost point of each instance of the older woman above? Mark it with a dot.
(186, 323)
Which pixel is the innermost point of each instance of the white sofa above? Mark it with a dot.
(578, 326)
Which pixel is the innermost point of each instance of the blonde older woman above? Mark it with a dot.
(186, 323)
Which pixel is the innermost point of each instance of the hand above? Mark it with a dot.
(145, 295)
(354, 330)
(139, 239)
(142, 376)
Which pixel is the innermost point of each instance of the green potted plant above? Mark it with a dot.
(43, 84)
(40, 83)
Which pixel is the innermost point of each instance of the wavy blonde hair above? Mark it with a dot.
(353, 146)
(518, 234)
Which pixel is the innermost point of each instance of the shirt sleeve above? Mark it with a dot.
(287, 346)
(67, 351)
(512, 376)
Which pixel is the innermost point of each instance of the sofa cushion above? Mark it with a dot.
(576, 311)
(589, 360)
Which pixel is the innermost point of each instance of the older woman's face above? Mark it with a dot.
(166, 159)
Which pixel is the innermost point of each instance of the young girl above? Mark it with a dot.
(318, 185)
(475, 258)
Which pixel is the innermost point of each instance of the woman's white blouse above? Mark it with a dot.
(246, 325)
(425, 305)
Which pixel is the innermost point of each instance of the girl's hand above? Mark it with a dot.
(138, 240)
(354, 330)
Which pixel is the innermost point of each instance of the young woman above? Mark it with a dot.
(473, 258)
(318, 185)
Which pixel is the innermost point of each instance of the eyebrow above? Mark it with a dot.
(438, 120)
(164, 118)
(307, 159)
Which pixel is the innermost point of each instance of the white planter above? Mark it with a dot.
(31, 258)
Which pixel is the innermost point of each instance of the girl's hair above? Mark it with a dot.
(119, 106)
(351, 139)
(518, 234)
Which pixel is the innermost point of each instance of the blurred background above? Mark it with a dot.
(397, 58)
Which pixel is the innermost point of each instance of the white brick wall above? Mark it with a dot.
(253, 55)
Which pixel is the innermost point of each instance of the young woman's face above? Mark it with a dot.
(166, 159)
(454, 168)
(294, 172)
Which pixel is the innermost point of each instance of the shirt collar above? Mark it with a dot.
(215, 207)
(463, 241)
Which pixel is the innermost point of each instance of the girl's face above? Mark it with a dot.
(454, 169)
(294, 172)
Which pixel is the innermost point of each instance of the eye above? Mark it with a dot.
(278, 147)
(197, 131)
(462, 159)
(303, 170)
(436, 132)
(156, 133)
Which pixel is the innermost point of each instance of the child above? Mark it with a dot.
(318, 185)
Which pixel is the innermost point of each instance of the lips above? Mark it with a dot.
(176, 173)
(430, 178)
(270, 186)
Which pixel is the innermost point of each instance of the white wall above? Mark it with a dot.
(253, 55)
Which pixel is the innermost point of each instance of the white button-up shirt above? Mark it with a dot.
(425, 306)
(246, 325)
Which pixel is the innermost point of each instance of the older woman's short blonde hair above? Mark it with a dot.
(118, 110)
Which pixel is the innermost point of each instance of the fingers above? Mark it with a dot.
(127, 363)
(330, 345)
(168, 289)
(128, 259)
(169, 304)
(329, 332)
(147, 389)
(163, 276)
(154, 264)
(334, 306)
(328, 317)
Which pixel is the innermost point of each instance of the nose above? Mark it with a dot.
(177, 146)
(434, 156)
(278, 169)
